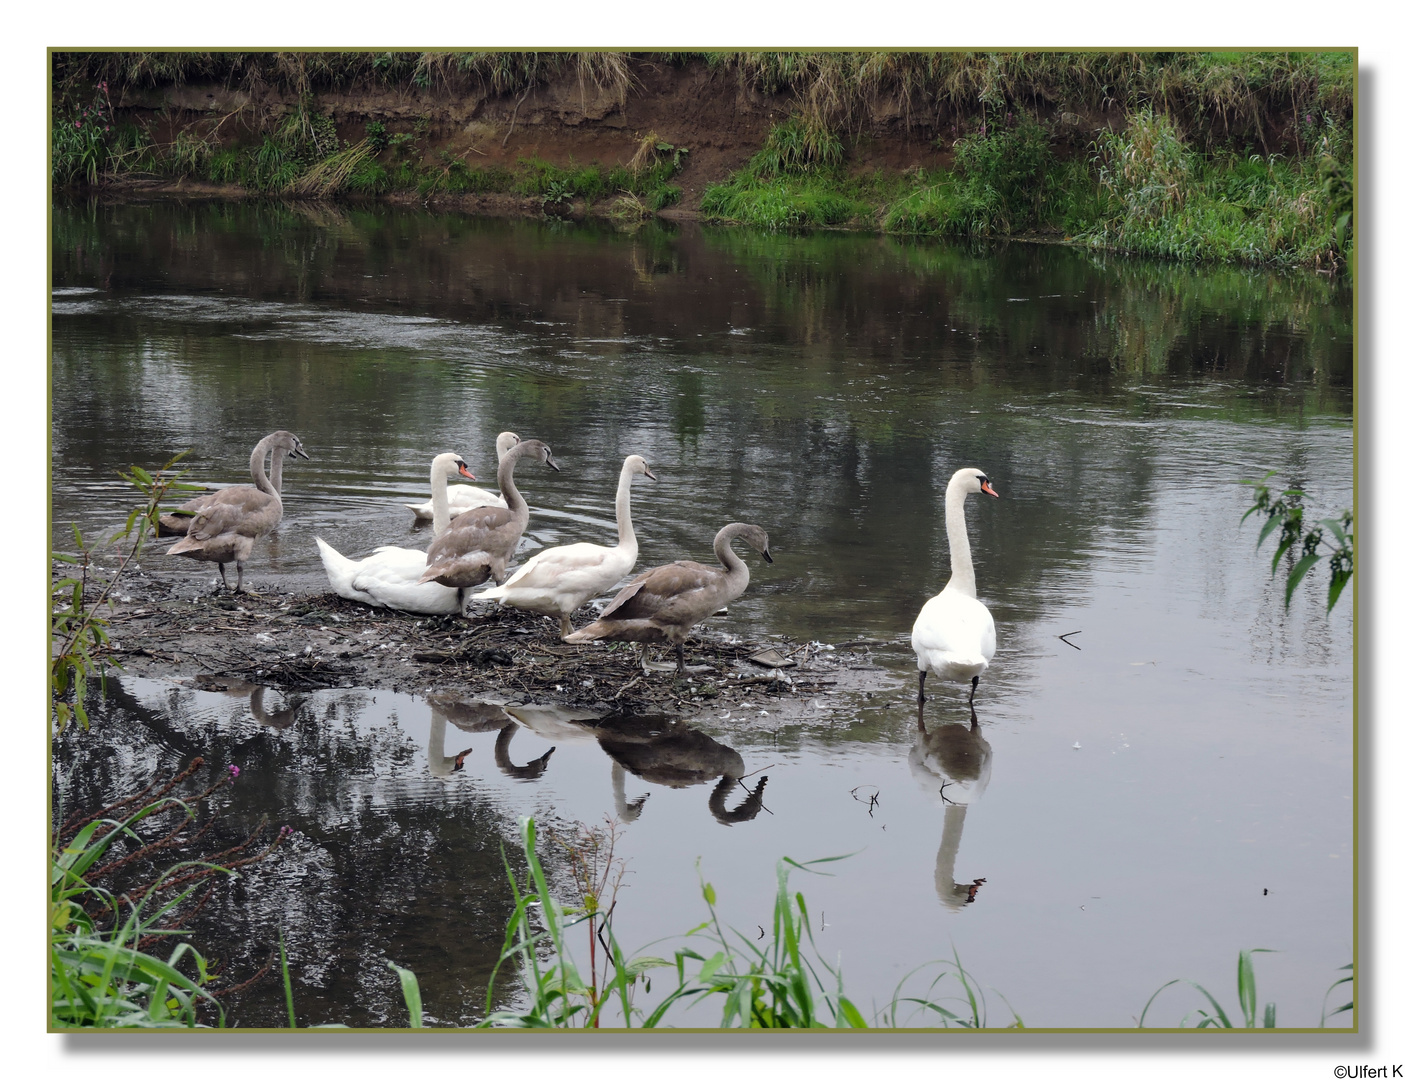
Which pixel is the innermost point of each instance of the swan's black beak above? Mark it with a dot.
(650, 475)
(985, 486)
(298, 451)
(766, 554)
(552, 461)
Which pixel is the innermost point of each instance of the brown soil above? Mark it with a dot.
(295, 642)
(721, 123)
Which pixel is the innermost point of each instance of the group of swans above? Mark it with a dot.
(660, 605)
(476, 534)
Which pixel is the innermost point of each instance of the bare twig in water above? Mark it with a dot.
(1064, 638)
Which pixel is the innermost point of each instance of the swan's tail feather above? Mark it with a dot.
(340, 569)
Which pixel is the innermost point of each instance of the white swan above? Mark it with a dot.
(560, 579)
(462, 496)
(954, 636)
(390, 577)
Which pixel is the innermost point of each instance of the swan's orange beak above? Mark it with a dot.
(463, 471)
(985, 486)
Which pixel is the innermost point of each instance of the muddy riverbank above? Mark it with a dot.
(295, 640)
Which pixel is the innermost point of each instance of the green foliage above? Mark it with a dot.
(111, 913)
(783, 203)
(1217, 1017)
(76, 629)
(796, 147)
(80, 139)
(1300, 541)
(782, 984)
(102, 978)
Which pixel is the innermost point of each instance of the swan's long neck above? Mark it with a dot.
(515, 503)
(963, 573)
(626, 523)
(737, 571)
(439, 496)
(279, 456)
(256, 467)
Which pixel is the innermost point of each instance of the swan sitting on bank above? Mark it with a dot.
(559, 580)
(954, 636)
(389, 578)
(463, 496)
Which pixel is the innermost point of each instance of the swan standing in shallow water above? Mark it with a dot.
(954, 636)
(282, 444)
(662, 604)
(234, 517)
(478, 544)
(463, 497)
(390, 577)
(560, 579)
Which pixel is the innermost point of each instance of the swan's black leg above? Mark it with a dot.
(224, 581)
(239, 584)
(681, 669)
(921, 697)
(975, 681)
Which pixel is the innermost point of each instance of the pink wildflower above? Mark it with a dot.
(233, 771)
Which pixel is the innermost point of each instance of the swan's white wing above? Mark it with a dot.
(954, 629)
(466, 497)
(390, 578)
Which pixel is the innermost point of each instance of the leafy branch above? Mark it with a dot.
(1300, 540)
(76, 629)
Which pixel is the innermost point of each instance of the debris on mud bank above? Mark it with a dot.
(294, 642)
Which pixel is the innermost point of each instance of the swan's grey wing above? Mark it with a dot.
(470, 531)
(243, 509)
(680, 585)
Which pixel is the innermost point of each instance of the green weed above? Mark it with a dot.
(783, 984)
(1217, 1017)
(1300, 541)
(77, 630)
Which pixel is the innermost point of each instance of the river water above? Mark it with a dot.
(1168, 782)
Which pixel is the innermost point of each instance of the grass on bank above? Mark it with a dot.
(1144, 189)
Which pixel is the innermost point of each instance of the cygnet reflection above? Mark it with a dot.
(669, 752)
(279, 719)
(951, 763)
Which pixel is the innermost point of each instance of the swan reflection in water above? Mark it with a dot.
(656, 749)
(280, 719)
(951, 763)
(669, 752)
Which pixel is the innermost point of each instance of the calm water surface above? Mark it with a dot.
(1127, 802)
